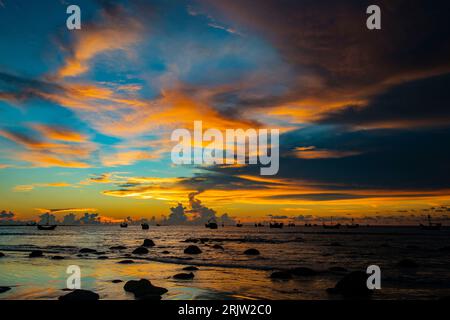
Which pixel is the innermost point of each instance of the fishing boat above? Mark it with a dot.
(212, 224)
(353, 225)
(331, 225)
(431, 225)
(47, 225)
(124, 225)
(276, 225)
(239, 224)
(145, 226)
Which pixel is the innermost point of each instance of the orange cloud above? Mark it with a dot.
(60, 133)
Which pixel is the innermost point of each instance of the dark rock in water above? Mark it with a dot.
(148, 243)
(80, 295)
(337, 269)
(36, 253)
(303, 272)
(251, 252)
(192, 250)
(2, 254)
(4, 289)
(218, 247)
(191, 268)
(352, 285)
(126, 261)
(140, 250)
(282, 275)
(118, 248)
(335, 244)
(407, 263)
(57, 258)
(87, 250)
(80, 255)
(99, 253)
(143, 288)
(184, 276)
(127, 254)
(117, 281)
(203, 240)
(103, 257)
(165, 252)
(193, 240)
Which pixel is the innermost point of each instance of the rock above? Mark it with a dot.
(165, 252)
(352, 285)
(282, 275)
(193, 240)
(103, 257)
(303, 272)
(117, 281)
(4, 289)
(100, 253)
(184, 276)
(335, 244)
(407, 264)
(57, 258)
(143, 288)
(126, 261)
(80, 255)
(218, 247)
(140, 250)
(251, 252)
(203, 240)
(337, 269)
(191, 268)
(118, 248)
(192, 250)
(2, 254)
(87, 250)
(148, 243)
(80, 295)
(36, 253)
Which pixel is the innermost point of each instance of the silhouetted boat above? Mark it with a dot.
(331, 225)
(431, 225)
(211, 224)
(124, 225)
(291, 224)
(145, 226)
(47, 225)
(353, 225)
(276, 225)
(239, 224)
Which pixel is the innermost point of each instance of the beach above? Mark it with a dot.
(224, 271)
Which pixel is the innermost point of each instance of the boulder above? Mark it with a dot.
(218, 247)
(165, 252)
(140, 250)
(148, 243)
(126, 261)
(117, 281)
(36, 253)
(303, 272)
(2, 254)
(251, 252)
(192, 250)
(4, 289)
(80, 295)
(281, 275)
(407, 264)
(143, 288)
(87, 250)
(184, 276)
(353, 285)
(117, 248)
(57, 258)
(191, 268)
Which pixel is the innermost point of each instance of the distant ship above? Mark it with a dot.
(353, 225)
(46, 226)
(212, 224)
(145, 226)
(276, 225)
(239, 224)
(124, 225)
(331, 225)
(431, 225)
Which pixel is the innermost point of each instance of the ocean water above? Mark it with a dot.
(228, 273)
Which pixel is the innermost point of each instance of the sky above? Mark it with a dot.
(86, 115)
